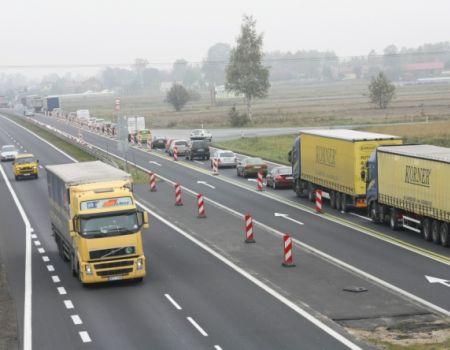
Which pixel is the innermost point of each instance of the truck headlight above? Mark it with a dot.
(139, 264)
(88, 269)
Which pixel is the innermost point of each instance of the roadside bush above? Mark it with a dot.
(236, 118)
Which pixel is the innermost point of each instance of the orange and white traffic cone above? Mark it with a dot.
(178, 201)
(152, 181)
(201, 206)
(259, 186)
(287, 250)
(215, 166)
(249, 237)
(175, 153)
(318, 201)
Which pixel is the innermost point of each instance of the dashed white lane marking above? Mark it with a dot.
(56, 279)
(217, 347)
(62, 291)
(45, 258)
(34, 236)
(174, 303)
(68, 304)
(41, 250)
(85, 337)
(76, 319)
(36, 243)
(196, 325)
(50, 268)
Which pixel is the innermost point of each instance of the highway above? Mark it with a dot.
(189, 300)
(197, 298)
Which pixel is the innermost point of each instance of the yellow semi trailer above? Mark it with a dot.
(334, 161)
(95, 221)
(408, 186)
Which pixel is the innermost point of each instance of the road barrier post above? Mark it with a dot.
(178, 200)
(149, 145)
(175, 153)
(287, 249)
(318, 201)
(215, 166)
(139, 138)
(259, 186)
(132, 139)
(249, 237)
(152, 181)
(201, 206)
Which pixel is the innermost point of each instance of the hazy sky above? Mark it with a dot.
(111, 31)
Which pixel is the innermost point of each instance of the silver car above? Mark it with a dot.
(201, 134)
(181, 146)
(226, 158)
(8, 152)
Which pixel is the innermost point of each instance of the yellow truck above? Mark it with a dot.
(95, 221)
(334, 161)
(408, 187)
(25, 166)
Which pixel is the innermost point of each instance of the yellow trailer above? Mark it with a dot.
(409, 187)
(334, 160)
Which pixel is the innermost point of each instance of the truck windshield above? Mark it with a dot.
(110, 225)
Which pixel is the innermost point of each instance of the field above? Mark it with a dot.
(288, 104)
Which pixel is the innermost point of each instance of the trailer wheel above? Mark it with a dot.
(435, 232)
(311, 193)
(337, 200)
(426, 229)
(333, 200)
(443, 232)
(298, 190)
(344, 206)
(393, 222)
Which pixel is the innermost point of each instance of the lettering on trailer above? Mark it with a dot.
(326, 156)
(417, 176)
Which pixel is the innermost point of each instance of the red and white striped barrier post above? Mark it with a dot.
(175, 153)
(201, 206)
(249, 237)
(139, 140)
(149, 145)
(215, 166)
(152, 176)
(287, 250)
(178, 200)
(132, 139)
(259, 185)
(318, 201)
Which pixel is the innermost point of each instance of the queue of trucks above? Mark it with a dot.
(405, 186)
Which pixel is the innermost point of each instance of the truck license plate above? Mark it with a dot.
(115, 278)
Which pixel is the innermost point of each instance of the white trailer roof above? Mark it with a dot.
(419, 151)
(349, 135)
(87, 172)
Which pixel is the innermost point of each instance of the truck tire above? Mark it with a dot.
(426, 229)
(435, 232)
(344, 206)
(443, 232)
(393, 222)
(373, 213)
(311, 192)
(297, 188)
(338, 202)
(333, 200)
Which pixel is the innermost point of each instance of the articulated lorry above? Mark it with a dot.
(408, 187)
(95, 221)
(334, 161)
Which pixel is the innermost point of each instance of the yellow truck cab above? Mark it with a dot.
(25, 165)
(144, 136)
(95, 221)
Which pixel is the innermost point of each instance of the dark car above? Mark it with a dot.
(197, 149)
(280, 176)
(159, 142)
(251, 166)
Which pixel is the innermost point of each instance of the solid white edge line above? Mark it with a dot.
(85, 337)
(68, 304)
(197, 326)
(27, 303)
(174, 303)
(257, 282)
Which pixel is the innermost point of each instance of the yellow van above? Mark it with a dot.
(26, 165)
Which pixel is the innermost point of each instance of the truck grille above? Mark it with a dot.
(107, 253)
(114, 272)
(114, 264)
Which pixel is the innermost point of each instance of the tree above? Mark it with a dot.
(245, 73)
(381, 90)
(178, 96)
(214, 65)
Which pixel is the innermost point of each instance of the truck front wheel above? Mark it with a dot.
(443, 231)
(373, 213)
(332, 199)
(393, 219)
(311, 193)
